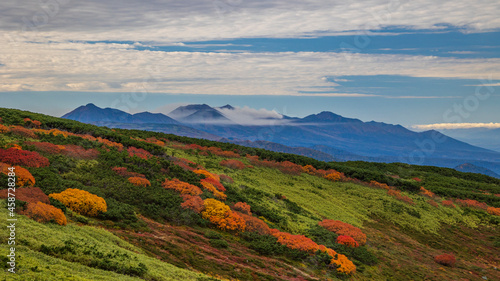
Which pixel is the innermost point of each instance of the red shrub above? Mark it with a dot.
(471, 204)
(28, 194)
(23, 132)
(348, 241)
(42, 212)
(290, 168)
(417, 179)
(222, 153)
(242, 207)
(46, 147)
(138, 181)
(493, 211)
(342, 228)
(433, 203)
(194, 203)
(446, 259)
(254, 224)
(79, 152)
(24, 158)
(448, 203)
(122, 171)
(215, 183)
(139, 152)
(233, 164)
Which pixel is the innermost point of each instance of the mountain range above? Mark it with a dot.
(325, 136)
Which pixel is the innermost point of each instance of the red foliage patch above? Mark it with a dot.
(446, 259)
(348, 241)
(28, 194)
(215, 183)
(233, 164)
(254, 224)
(493, 211)
(343, 228)
(46, 147)
(194, 203)
(122, 171)
(472, 204)
(242, 207)
(23, 132)
(24, 158)
(225, 178)
(448, 203)
(181, 187)
(79, 152)
(139, 152)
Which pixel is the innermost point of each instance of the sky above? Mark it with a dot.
(423, 64)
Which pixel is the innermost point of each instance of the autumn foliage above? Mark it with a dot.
(42, 212)
(493, 211)
(79, 152)
(139, 152)
(46, 147)
(122, 171)
(254, 224)
(221, 215)
(242, 207)
(348, 241)
(233, 164)
(138, 181)
(342, 228)
(181, 187)
(4, 129)
(426, 192)
(215, 183)
(207, 174)
(28, 194)
(81, 201)
(23, 158)
(23, 176)
(448, 203)
(471, 203)
(226, 178)
(446, 259)
(194, 203)
(23, 132)
(210, 187)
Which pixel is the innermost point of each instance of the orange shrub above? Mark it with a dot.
(334, 176)
(215, 183)
(348, 241)
(181, 187)
(4, 129)
(221, 215)
(79, 152)
(379, 185)
(233, 164)
(138, 181)
(242, 207)
(446, 259)
(290, 168)
(225, 178)
(426, 192)
(42, 212)
(81, 201)
(23, 176)
(342, 228)
(254, 224)
(493, 211)
(447, 203)
(194, 203)
(46, 147)
(208, 186)
(207, 174)
(471, 203)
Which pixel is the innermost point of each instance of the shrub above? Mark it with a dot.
(122, 171)
(233, 164)
(218, 243)
(426, 192)
(221, 215)
(81, 201)
(28, 194)
(348, 241)
(493, 211)
(23, 132)
(23, 158)
(137, 181)
(242, 207)
(139, 152)
(208, 186)
(225, 178)
(448, 203)
(46, 147)
(191, 202)
(210, 234)
(471, 204)
(4, 129)
(256, 225)
(445, 259)
(207, 174)
(79, 152)
(342, 228)
(23, 176)
(182, 187)
(215, 183)
(42, 212)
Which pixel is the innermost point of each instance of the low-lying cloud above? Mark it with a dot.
(451, 126)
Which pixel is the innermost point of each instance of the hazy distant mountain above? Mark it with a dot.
(483, 137)
(471, 168)
(323, 136)
(91, 113)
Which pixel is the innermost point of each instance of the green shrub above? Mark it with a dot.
(218, 243)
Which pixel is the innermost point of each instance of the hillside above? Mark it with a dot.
(157, 206)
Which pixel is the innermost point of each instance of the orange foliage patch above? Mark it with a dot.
(348, 241)
(4, 129)
(181, 187)
(446, 259)
(221, 215)
(207, 174)
(208, 186)
(426, 192)
(194, 203)
(342, 228)
(42, 212)
(46, 147)
(138, 181)
(81, 201)
(493, 211)
(215, 183)
(448, 203)
(242, 207)
(23, 176)
(380, 185)
(335, 176)
(254, 224)
(471, 203)
(79, 152)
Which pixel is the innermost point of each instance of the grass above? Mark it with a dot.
(34, 265)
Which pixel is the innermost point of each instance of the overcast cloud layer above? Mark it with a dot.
(45, 44)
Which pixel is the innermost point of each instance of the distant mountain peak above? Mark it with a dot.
(326, 117)
(227, 106)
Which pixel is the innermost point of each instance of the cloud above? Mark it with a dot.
(451, 126)
(250, 116)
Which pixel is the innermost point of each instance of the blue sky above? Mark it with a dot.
(403, 62)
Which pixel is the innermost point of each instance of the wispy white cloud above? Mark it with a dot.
(250, 116)
(451, 126)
